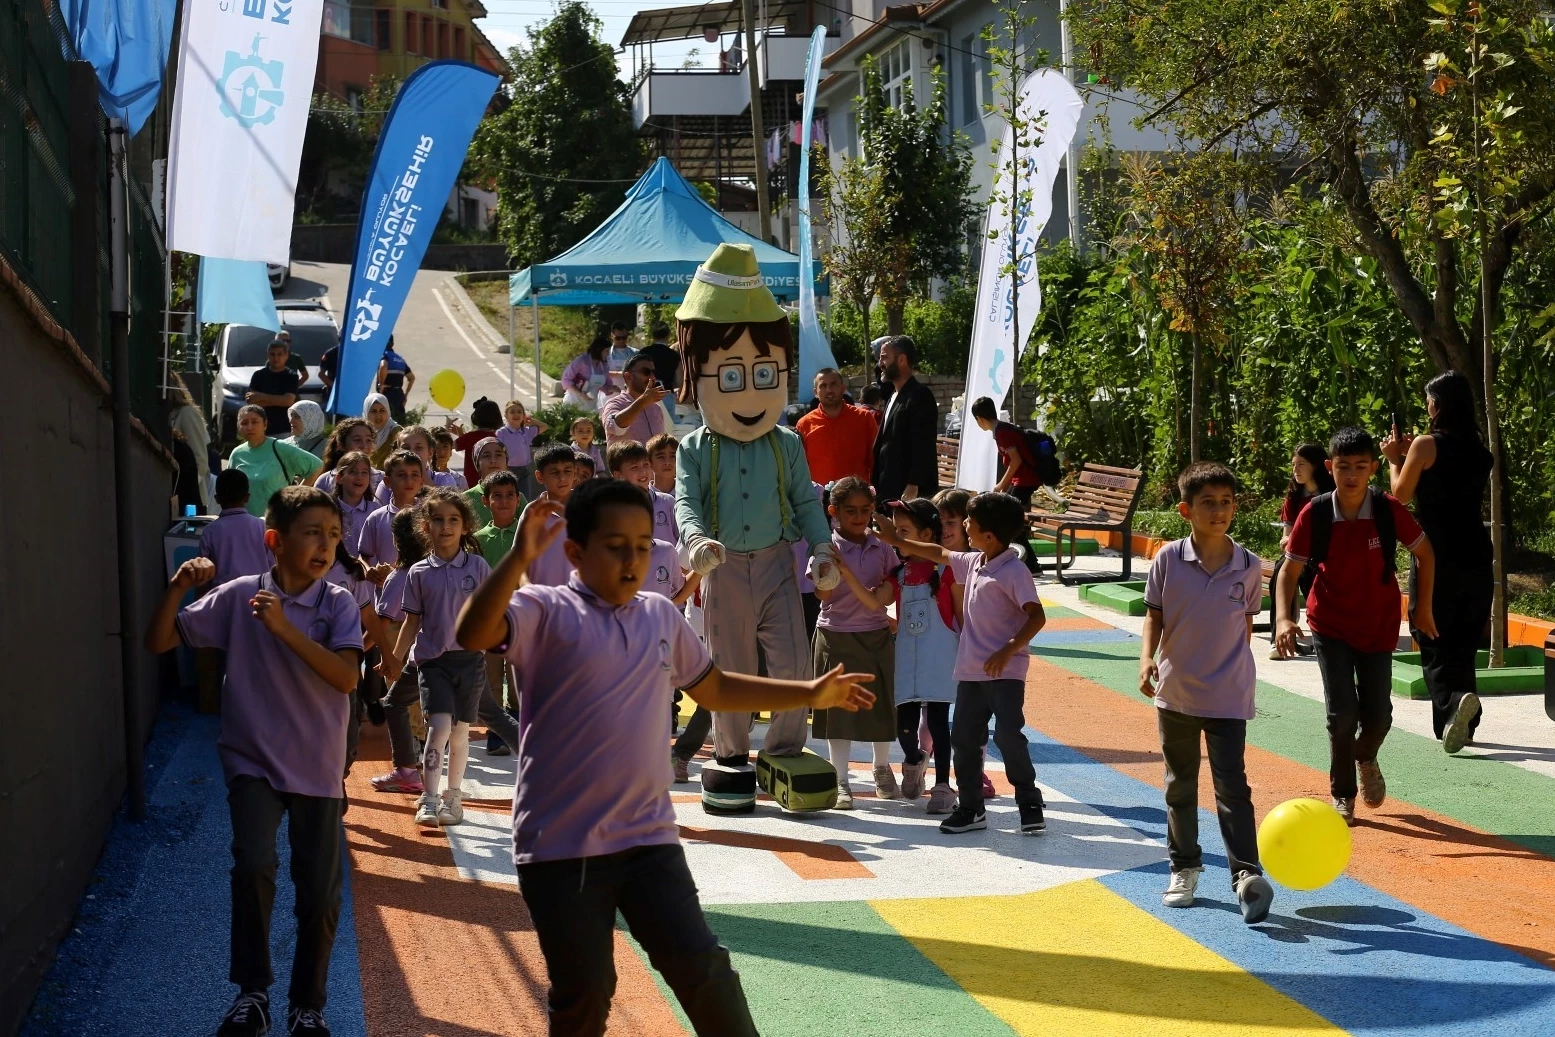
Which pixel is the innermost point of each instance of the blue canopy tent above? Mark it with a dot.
(646, 251)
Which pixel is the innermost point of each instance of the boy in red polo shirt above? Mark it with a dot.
(1353, 609)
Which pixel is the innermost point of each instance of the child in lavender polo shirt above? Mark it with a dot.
(235, 541)
(405, 474)
(1002, 615)
(451, 679)
(1201, 596)
(593, 828)
(294, 646)
(554, 471)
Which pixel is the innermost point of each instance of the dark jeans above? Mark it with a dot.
(812, 613)
(573, 904)
(1358, 693)
(1461, 604)
(1226, 742)
(315, 834)
(396, 714)
(694, 736)
(1004, 701)
(498, 721)
(907, 715)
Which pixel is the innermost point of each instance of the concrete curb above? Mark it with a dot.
(464, 307)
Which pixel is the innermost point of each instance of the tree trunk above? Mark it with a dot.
(864, 310)
(1195, 403)
(893, 319)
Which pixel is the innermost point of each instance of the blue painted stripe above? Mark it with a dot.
(1363, 960)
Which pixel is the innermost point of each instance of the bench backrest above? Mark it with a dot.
(1103, 493)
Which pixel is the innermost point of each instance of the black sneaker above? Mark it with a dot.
(495, 746)
(249, 1016)
(306, 1020)
(963, 820)
(1031, 821)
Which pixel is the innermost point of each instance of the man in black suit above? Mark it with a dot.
(905, 457)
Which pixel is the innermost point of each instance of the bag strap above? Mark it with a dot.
(785, 509)
(276, 450)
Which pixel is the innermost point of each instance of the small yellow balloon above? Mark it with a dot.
(1304, 844)
(447, 389)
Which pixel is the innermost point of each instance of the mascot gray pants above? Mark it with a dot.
(752, 602)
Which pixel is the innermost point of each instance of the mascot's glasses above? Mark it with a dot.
(731, 377)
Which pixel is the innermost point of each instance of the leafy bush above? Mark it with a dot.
(558, 418)
(942, 331)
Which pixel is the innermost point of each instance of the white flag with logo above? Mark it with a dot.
(245, 80)
(1047, 97)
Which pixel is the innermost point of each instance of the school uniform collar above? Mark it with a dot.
(1363, 514)
(232, 511)
(577, 586)
(314, 591)
(1238, 557)
(1000, 560)
(458, 561)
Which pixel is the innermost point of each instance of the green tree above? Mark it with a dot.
(926, 176)
(337, 147)
(866, 255)
(564, 151)
(1185, 219)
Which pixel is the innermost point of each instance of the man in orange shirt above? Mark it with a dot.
(839, 437)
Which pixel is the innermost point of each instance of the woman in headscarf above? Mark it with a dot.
(307, 420)
(375, 411)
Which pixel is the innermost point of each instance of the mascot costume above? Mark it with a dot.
(743, 495)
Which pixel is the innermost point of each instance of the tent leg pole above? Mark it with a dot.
(512, 336)
(534, 300)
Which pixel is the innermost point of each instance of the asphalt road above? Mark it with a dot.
(437, 329)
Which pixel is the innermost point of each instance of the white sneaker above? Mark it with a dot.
(450, 811)
(844, 796)
(1184, 885)
(426, 811)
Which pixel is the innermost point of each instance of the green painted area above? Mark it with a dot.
(1060, 612)
(1523, 672)
(1127, 598)
(822, 968)
(1046, 548)
(1486, 794)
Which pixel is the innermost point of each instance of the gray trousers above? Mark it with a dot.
(1225, 742)
(752, 614)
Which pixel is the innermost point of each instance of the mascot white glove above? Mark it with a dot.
(824, 566)
(702, 555)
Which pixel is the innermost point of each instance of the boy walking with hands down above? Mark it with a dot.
(1349, 537)
(1201, 596)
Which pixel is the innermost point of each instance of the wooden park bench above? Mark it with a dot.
(1102, 500)
(946, 450)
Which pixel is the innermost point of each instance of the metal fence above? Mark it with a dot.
(53, 197)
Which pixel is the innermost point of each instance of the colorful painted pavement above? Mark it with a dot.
(873, 923)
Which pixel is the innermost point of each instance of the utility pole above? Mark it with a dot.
(758, 134)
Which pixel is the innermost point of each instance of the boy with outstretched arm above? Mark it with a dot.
(1200, 599)
(1349, 535)
(1003, 614)
(593, 829)
(294, 653)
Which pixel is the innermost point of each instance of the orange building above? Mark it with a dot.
(395, 37)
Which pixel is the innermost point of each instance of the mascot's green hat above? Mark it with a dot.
(729, 289)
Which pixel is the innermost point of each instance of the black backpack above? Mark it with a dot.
(1042, 455)
(1322, 508)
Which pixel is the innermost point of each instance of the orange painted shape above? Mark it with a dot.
(446, 956)
(806, 859)
(1073, 623)
(1480, 882)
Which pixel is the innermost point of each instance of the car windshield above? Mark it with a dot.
(250, 347)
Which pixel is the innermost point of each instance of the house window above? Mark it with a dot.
(337, 20)
(428, 38)
(442, 39)
(441, 5)
(362, 24)
(896, 73)
(381, 18)
(410, 34)
(459, 43)
(354, 98)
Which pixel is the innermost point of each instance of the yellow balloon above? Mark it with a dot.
(447, 389)
(1304, 844)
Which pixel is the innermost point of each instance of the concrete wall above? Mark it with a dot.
(63, 768)
(336, 243)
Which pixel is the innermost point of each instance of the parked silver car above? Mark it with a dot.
(241, 350)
